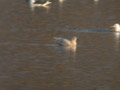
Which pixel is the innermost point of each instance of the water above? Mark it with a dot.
(31, 60)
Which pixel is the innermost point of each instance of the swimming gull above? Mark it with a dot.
(116, 27)
(66, 42)
(38, 3)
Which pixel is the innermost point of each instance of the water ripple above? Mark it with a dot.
(86, 30)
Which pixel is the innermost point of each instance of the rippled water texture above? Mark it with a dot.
(31, 60)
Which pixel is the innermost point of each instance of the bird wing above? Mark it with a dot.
(40, 2)
(62, 41)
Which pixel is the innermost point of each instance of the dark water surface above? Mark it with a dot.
(31, 60)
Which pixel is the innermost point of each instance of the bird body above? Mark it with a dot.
(38, 3)
(66, 42)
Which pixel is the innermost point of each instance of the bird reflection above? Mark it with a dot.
(34, 3)
(67, 51)
(96, 1)
(117, 40)
(69, 48)
(61, 3)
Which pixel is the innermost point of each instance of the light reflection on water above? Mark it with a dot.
(61, 3)
(96, 1)
(117, 40)
(67, 51)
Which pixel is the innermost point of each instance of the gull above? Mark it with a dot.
(66, 42)
(67, 45)
(38, 3)
(116, 27)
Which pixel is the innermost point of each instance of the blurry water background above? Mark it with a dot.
(31, 60)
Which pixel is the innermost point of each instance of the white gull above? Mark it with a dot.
(116, 27)
(38, 3)
(66, 42)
